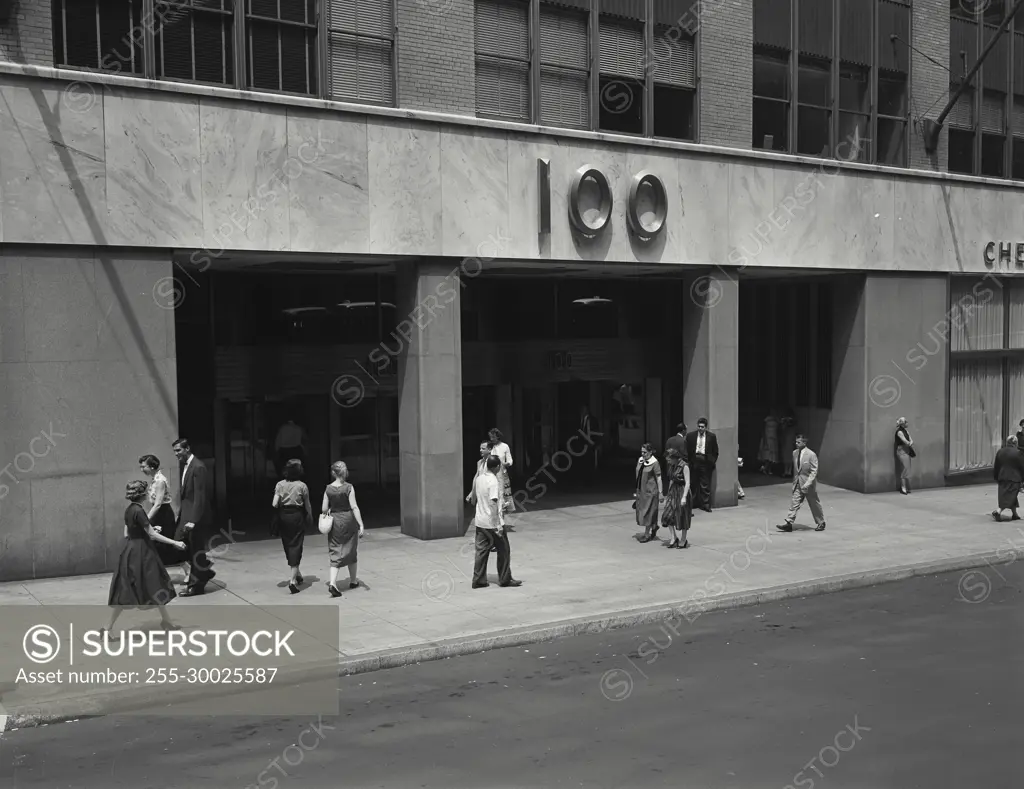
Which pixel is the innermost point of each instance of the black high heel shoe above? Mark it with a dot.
(293, 588)
(673, 544)
(333, 590)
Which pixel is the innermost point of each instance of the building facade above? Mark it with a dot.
(402, 222)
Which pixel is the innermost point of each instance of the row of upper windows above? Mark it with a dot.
(830, 78)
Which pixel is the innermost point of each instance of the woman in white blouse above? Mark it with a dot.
(158, 508)
(501, 451)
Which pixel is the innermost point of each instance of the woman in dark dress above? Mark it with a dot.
(343, 538)
(1008, 470)
(903, 446)
(294, 513)
(140, 580)
(648, 493)
(678, 506)
(159, 509)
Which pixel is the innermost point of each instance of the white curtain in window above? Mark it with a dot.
(975, 314)
(1016, 288)
(975, 412)
(1015, 407)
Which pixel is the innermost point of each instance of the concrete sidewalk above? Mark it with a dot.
(583, 571)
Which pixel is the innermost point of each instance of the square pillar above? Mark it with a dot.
(711, 371)
(430, 399)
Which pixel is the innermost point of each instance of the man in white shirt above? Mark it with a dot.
(490, 528)
(805, 486)
(702, 454)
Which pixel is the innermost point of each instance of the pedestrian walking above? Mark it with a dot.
(490, 528)
(292, 514)
(1008, 471)
(648, 493)
(160, 512)
(739, 488)
(481, 468)
(677, 512)
(195, 518)
(805, 486)
(702, 450)
(343, 538)
(903, 446)
(140, 580)
(501, 451)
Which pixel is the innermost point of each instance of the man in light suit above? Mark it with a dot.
(195, 517)
(805, 486)
(702, 455)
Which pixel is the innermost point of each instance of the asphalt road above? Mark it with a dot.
(916, 684)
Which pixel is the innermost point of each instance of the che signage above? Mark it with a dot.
(592, 219)
(1005, 248)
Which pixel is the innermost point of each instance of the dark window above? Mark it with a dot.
(854, 89)
(812, 132)
(814, 115)
(674, 112)
(961, 151)
(195, 42)
(892, 94)
(621, 105)
(815, 83)
(502, 46)
(281, 45)
(892, 142)
(564, 67)
(771, 100)
(99, 34)
(992, 155)
(1018, 158)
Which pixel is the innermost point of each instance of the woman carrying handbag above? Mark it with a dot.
(343, 529)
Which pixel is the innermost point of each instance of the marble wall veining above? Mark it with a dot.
(137, 168)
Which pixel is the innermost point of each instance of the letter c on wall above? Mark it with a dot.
(587, 216)
(656, 189)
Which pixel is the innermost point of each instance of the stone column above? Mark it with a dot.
(88, 383)
(430, 400)
(711, 370)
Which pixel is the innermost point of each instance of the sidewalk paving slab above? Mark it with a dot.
(583, 571)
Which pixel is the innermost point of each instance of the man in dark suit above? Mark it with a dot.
(702, 451)
(195, 517)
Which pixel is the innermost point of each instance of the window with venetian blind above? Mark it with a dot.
(565, 64)
(502, 46)
(281, 45)
(97, 34)
(194, 40)
(361, 40)
(621, 50)
(673, 68)
(986, 367)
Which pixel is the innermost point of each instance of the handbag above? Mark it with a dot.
(326, 524)
(911, 452)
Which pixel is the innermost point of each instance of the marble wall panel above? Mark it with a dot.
(799, 226)
(329, 196)
(405, 188)
(702, 212)
(474, 192)
(131, 313)
(980, 215)
(58, 502)
(865, 212)
(665, 247)
(751, 196)
(153, 175)
(245, 184)
(923, 232)
(52, 167)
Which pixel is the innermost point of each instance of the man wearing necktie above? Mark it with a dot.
(702, 452)
(805, 486)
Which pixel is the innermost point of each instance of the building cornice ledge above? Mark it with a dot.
(88, 79)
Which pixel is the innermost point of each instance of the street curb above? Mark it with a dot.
(594, 624)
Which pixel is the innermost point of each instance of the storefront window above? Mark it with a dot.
(986, 377)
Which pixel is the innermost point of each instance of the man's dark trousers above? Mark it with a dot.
(485, 540)
(702, 469)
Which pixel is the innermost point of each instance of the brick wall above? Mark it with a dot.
(436, 66)
(27, 37)
(929, 83)
(726, 72)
